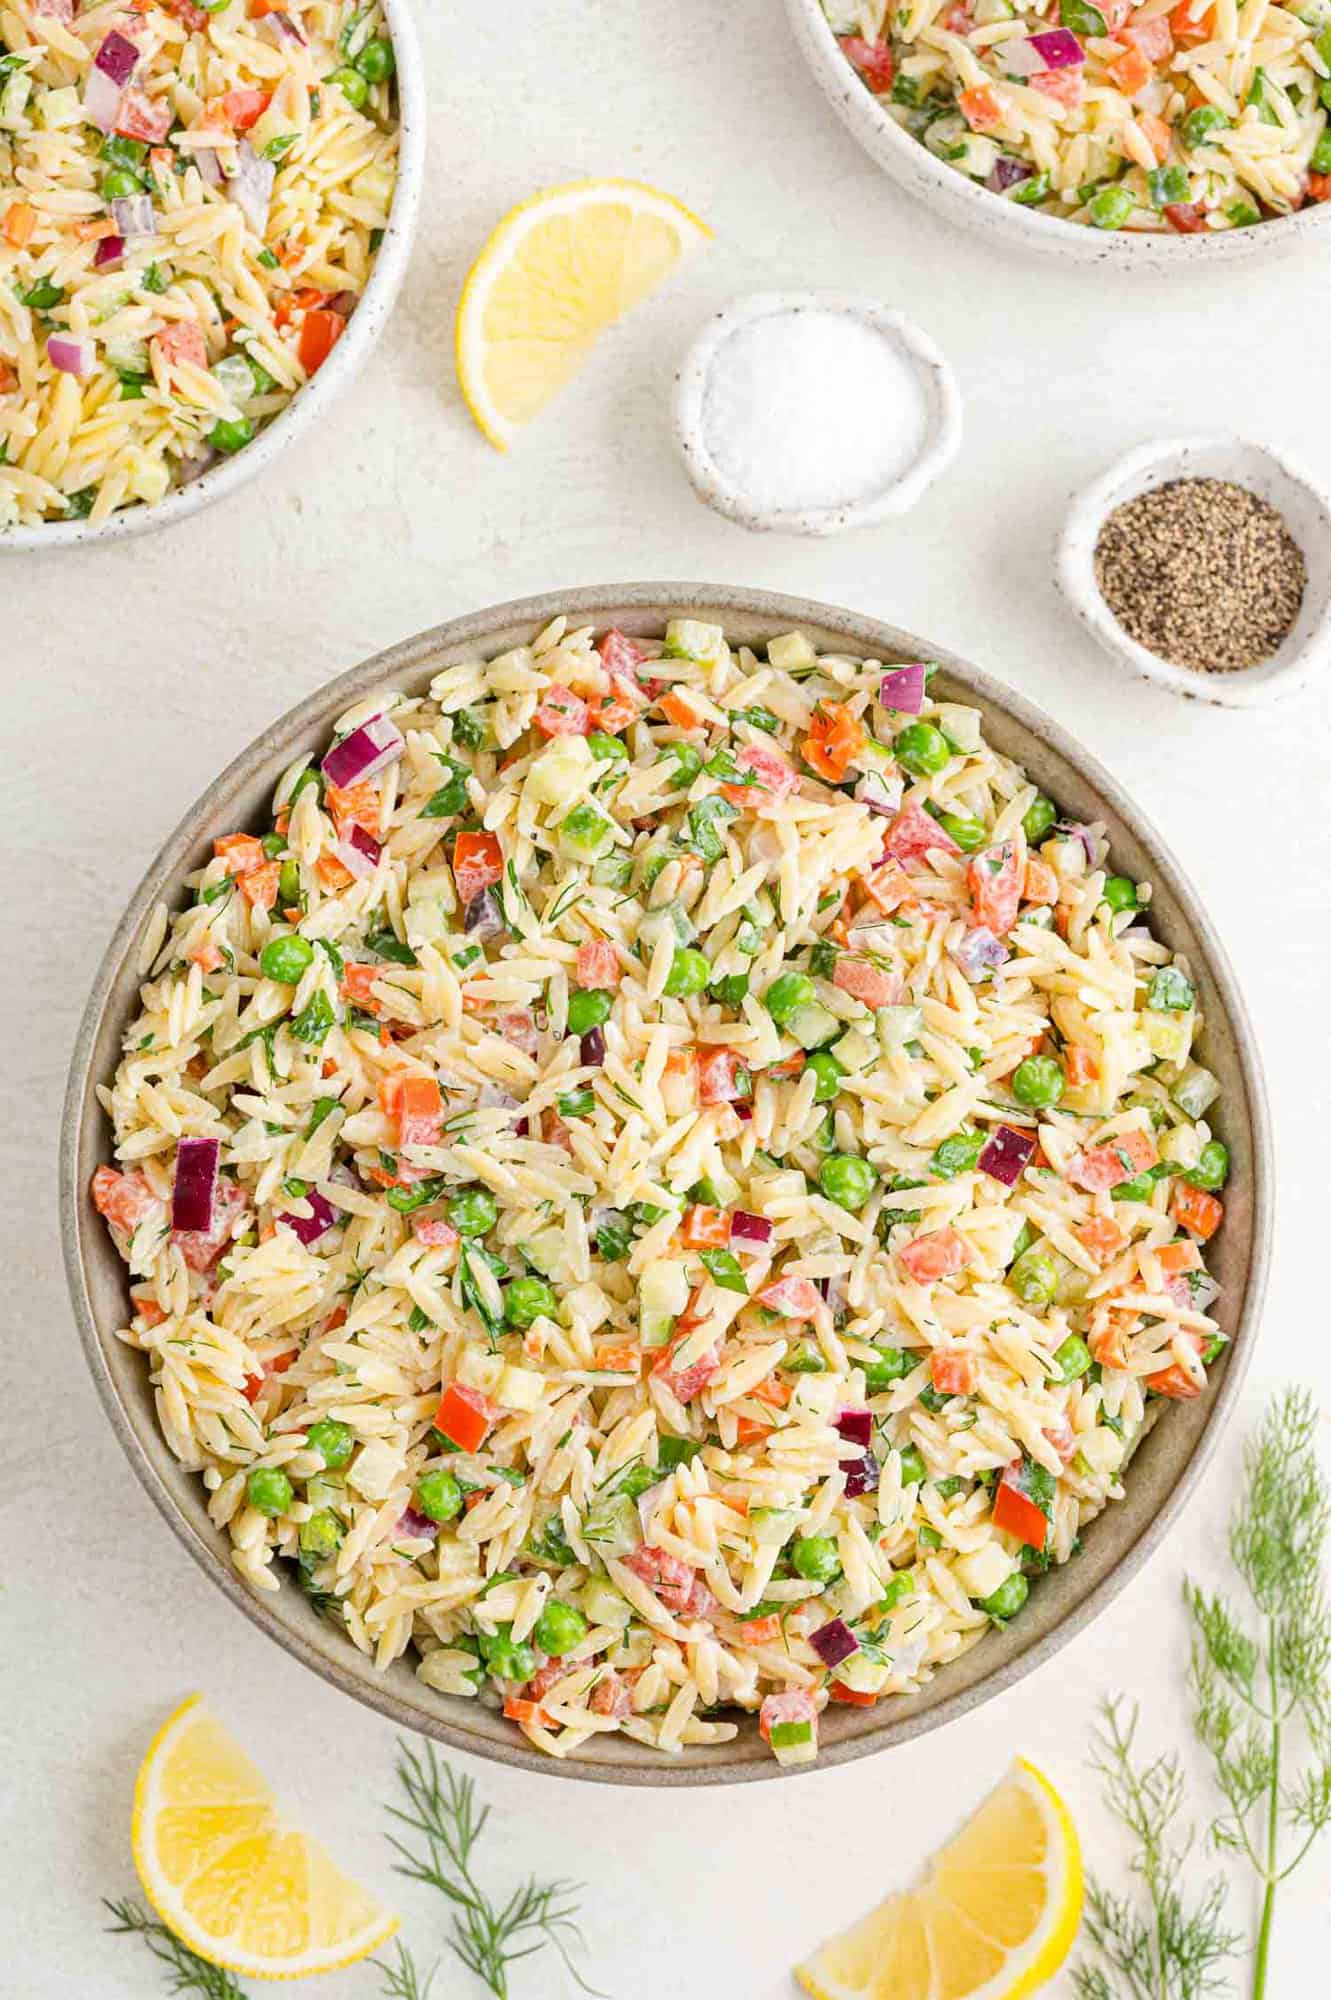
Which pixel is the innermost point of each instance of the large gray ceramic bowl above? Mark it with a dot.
(1166, 1468)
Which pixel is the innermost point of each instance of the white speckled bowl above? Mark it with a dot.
(938, 388)
(346, 359)
(971, 205)
(1306, 508)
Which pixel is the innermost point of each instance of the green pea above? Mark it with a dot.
(286, 959)
(352, 86)
(375, 61)
(1038, 1082)
(230, 435)
(1034, 1278)
(829, 1072)
(1201, 123)
(333, 1441)
(786, 995)
(815, 1558)
(438, 1495)
(689, 973)
(967, 832)
(1110, 207)
(847, 1180)
(528, 1299)
(1320, 161)
(1121, 893)
(1039, 817)
(587, 1009)
(121, 184)
(473, 1212)
(607, 749)
(506, 1660)
(321, 1535)
(921, 749)
(1007, 1600)
(559, 1628)
(1073, 1358)
(913, 1468)
(288, 885)
(1212, 1169)
(269, 1490)
(890, 1365)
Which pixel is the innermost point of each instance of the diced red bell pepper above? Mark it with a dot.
(618, 653)
(1193, 1208)
(705, 1228)
(358, 987)
(793, 1298)
(615, 710)
(1018, 1515)
(686, 1383)
(464, 1416)
(561, 713)
(854, 1697)
(181, 342)
(240, 108)
(866, 982)
(240, 851)
(873, 60)
(720, 1076)
(598, 964)
(1187, 217)
(773, 777)
(914, 833)
(478, 863)
(143, 117)
(980, 108)
(1101, 1168)
(940, 1253)
(125, 1200)
(994, 879)
(1066, 86)
(1176, 1381)
(320, 331)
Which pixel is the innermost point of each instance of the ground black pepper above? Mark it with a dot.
(1201, 572)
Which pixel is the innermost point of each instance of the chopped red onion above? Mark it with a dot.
(1007, 172)
(344, 303)
(111, 250)
(591, 1048)
(419, 1527)
(69, 355)
(482, 917)
(209, 166)
(112, 67)
(978, 952)
(309, 1228)
(117, 57)
(251, 188)
(1006, 1154)
(1057, 48)
(903, 689)
(834, 1642)
(742, 1111)
(359, 852)
(1073, 829)
(194, 1189)
(282, 28)
(135, 215)
(881, 793)
(522, 1130)
(746, 1228)
(493, 1098)
(194, 468)
(855, 1426)
(861, 1475)
(364, 752)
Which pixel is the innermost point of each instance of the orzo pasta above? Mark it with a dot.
(191, 199)
(666, 1180)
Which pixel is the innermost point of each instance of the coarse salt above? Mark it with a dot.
(812, 408)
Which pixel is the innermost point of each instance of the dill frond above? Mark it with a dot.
(186, 1971)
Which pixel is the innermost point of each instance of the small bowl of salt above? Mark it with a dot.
(807, 413)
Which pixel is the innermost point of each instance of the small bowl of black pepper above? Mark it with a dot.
(1204, 563)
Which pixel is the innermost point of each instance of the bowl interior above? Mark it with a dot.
(347, 357)
(1264, 473)
(1168, 1461)
(972, 205)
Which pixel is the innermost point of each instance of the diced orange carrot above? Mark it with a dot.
(1196, 1210)
(1040, 883)
(1319, 187)
(1101, 1236)
(760, 1631)
(1190, 29)
(980, 108)
(748, 1430)
(357, 984)
(147, 1308)
(676, 708)
(240, 851)
(952, 1371)
(773, 1391)
(1178, 1382)
(1079, 1065)
(207, 955)
(333, 873)
(1108, 1341)
(518, 1709)
(1131, 71)
(1158, 135)
(306, 299)
(705, 1228)
(792, 1065)
(478, 863)
(853, 1697)
(835, 737)
(259, 885)
(1177, 1258)
(622, 1358)
(19, 223)
(353, 805)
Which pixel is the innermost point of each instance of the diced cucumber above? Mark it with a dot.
(665, 1287)
(603, 1604)
(856, 1050)
(655, 1328)
(898, 1025)
(561, 769)
(790, 651)
(1196, 1090)
(813, 1026)
(611, 1526)
(689, 639)
(772, 1527)
(1168, 1035)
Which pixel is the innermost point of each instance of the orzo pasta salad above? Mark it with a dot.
(191, 197)
(668, 1180)
(1173, 115)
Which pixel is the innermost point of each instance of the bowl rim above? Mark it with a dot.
(1156, 462)
(971, 204)
(939, 443)
(347, 358)
(652, 603)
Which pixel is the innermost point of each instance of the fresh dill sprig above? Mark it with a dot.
(403, 1981)
(1258, 1689)
(487, 1936)
(187, 1972)
(1163, 1948)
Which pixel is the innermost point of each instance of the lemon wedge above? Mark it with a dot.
(992, 1919)
(226, 1875)
(557, 271)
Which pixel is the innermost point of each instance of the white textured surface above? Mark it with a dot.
(132, 674)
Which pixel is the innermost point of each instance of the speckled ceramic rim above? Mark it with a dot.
(939, 392)
(970, 204)
(1307, 648)
(1167, 1467)
(345, 361)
